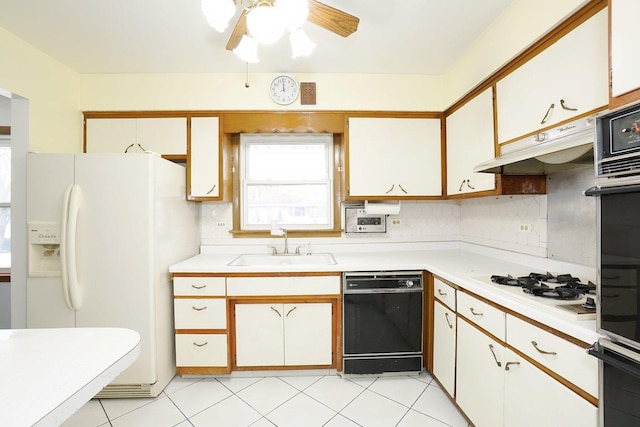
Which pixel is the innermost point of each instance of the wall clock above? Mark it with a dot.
(284, 90)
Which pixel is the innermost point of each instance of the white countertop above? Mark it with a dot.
(469, 266)
(48, 374)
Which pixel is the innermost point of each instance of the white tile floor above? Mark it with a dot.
(283, 401)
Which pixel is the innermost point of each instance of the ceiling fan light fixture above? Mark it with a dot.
(264, 23)
(293, 12)
(218, 13)
(247, 50)
(301, 44)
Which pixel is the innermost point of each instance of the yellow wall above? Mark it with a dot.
(55, 123)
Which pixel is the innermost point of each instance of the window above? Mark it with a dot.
(287, 179)
(5, 203)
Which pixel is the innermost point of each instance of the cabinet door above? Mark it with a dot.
(135, 135)
(562, 406)
(203, 160)
(444, 346)
(480, 376)
(470, 140)
(394, 157)
(110, 135)
(625, 67)
(573, 70)
(259, 335)
(307, 333)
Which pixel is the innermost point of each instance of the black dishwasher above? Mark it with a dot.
(382, 321)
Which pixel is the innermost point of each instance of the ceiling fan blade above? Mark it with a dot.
(332, 19)
(238, 31)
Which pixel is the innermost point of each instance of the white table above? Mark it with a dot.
(48, 374)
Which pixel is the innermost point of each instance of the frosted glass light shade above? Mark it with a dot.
(264, 24)
(293, 12)
(301, 44)
(247, 50)
(218, 13)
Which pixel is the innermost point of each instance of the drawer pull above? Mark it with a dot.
(290, 311)
(442, 294)
(446, 316)
(535, 345)
(506, 366)
(200, 345)
(277, 312)
(474, 312)
(199, 308)
(494, 355)
(198, 287)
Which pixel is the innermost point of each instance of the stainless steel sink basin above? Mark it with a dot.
(284, 259)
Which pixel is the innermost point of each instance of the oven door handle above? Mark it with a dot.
(596, 191)
(597, 350)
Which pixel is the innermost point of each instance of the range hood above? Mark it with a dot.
(546, 152)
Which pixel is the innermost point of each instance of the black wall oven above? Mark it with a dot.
(618, 287)
(382, 322)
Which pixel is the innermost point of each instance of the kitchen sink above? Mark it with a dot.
(283, 259)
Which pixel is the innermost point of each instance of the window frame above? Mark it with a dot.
(5, 142)
(323, 140)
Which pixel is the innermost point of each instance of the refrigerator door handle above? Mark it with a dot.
(75, 292)
(64, 274)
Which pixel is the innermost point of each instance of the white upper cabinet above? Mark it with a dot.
(394, 157)
(567, 79)
(203, 160)
(470, 140)
(163, 135)
(625, 66)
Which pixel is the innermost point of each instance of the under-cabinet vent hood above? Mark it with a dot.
(546, 152)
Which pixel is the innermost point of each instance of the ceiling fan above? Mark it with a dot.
(325, 16)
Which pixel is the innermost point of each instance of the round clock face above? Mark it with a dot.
(284, 90)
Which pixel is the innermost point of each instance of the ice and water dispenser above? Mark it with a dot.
(44, 249)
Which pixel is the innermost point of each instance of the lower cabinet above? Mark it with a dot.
(480, 376)
(283, 334)
(444, 351)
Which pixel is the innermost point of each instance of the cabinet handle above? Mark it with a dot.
(494, 355)
(391, 189)
(446, 316)
(290, 311)
(546, 116)
(141, 147)
(535, 345)
(200, 345)
(564, 106)
(212, 188)
(199, 309)
(469, 185)
(474, 312)
(198, 287)
(444, 294)
(126, 150)
(506, 366)
(277, 312)
(462, 184)
(403, 190)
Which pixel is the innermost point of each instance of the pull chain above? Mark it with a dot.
(246, 83)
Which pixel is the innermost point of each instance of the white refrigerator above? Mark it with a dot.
(103, 230)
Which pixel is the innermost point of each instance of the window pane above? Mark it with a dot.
(5, 175)
(5, 237)
(297, 204)
(287, 162)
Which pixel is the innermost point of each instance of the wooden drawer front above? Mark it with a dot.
(482, 314)
(444, 293)
(294, 285)
(200, 313)
(201, 350)
(198, 286)
(559, 355)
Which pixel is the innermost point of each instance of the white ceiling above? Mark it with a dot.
(172, 36)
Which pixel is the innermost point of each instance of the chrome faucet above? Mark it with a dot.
(280, 232)
(286, 241)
